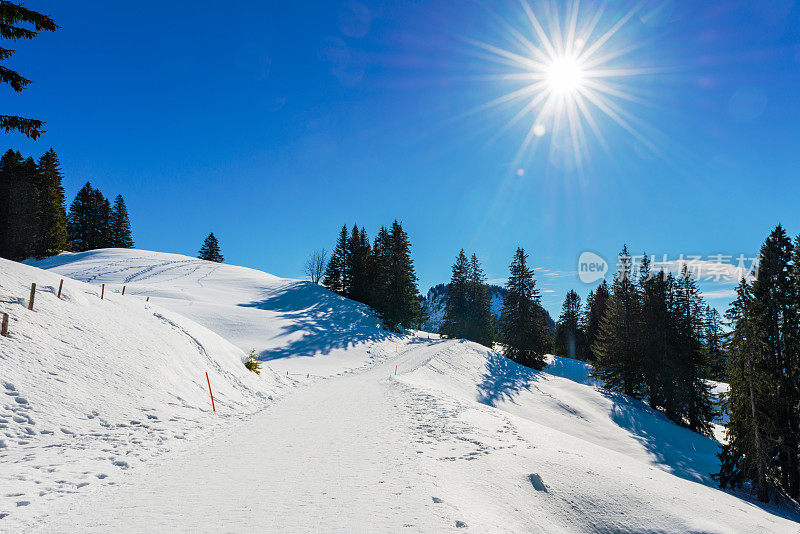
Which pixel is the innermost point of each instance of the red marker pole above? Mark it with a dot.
(209, 392)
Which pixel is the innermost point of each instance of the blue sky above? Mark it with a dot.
(273, 123)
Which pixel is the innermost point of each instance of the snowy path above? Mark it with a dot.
(334, 456)
(370, 452)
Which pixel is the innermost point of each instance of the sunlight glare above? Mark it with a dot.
(564, 75)
(572, 72)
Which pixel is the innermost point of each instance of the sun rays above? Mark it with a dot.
(572, 72)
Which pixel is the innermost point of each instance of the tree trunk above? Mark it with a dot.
(763, 494)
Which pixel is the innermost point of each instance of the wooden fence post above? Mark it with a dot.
(102, 291)
(60, 285)
(148, 299)
(4, 327)
(123, 290)
(33, 294)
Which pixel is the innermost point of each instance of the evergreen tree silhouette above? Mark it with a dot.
(120, 225)
(210, 250)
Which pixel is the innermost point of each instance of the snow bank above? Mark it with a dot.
(90, 387)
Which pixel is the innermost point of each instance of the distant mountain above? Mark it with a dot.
(436, 300)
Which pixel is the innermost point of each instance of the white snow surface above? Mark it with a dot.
(106, 425)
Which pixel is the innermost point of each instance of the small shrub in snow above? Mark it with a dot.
(253, 363)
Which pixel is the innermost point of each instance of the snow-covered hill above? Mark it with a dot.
(93, 387)
(287, 322)
(410, 433)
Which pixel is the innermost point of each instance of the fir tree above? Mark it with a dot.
(693, 392)
(763, 368)
(378, 272)
(210, 250)
(454, 323)
(520, 325)
(13, 18)
(336, 273)
(775, 308)
(16, 206)
(88, 220)
(653, 329)
(358, 258)
(481, 321)
(102, 221)
(596, 304)
(569, 337)
(81, 220)
(618, 363)
(26, 225)
(120, 225)
(748, 452)
(403, 302)
(51, 215)
(715, 353)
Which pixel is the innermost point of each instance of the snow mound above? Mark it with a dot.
(91, 387)
(297, 326)
(592, 459)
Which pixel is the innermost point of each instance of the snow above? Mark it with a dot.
(370, 432)
(288, 322)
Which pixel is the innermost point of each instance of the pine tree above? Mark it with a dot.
(51, 215)
(763, 368)
(520, 325)
(26, 227)
(454, 323)
(749, 450)
(120, 225)
(481, 321)
(715, 353)
(569, 337)
(693, 392)
(596, 304)
(16, 201)
(210, 250)
(336, 273)
(11, 16)
(403, 302)
(618, 363)
(88, 220)
(378, 272)
(775, 307)
(358, 258)
(653, 329)
(102, 221)
(80, 219)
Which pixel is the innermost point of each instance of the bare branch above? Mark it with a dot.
(315, 265)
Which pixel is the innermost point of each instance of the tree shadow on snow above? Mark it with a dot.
(675, 449)
(678, 450)
(325, 320)
(503, 379)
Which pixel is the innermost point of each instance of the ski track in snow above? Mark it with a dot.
(328, 438)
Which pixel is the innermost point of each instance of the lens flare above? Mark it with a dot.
(572, 69)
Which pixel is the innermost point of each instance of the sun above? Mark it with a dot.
(565, 75)
(571, 67)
